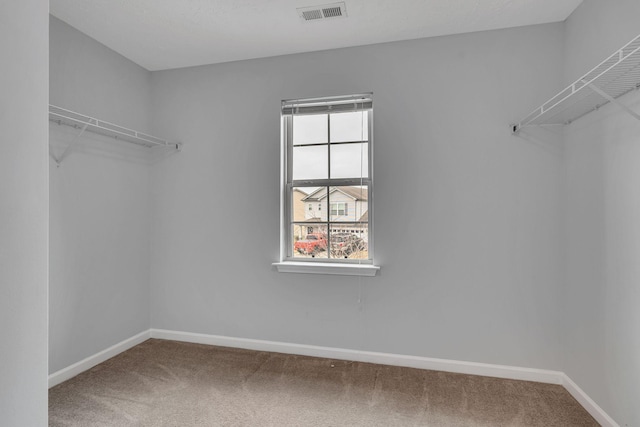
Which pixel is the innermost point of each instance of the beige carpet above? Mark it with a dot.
(167, 383)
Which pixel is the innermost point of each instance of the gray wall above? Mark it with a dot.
(24, 210)
(88, 77)
(100, 203)
(468, 217)
(602, 320)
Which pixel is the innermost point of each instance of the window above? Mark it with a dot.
(327, 156)
(338, 209)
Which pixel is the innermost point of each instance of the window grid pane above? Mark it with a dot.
(310, 129)
(310, 162)
(349, 127)
(349, 241)
(309, 240)
(349, 160)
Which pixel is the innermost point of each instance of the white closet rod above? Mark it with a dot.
(63, 116)
(612, 78)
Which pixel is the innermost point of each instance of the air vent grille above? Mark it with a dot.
(309, 15)
(332, 12)
(326, 11)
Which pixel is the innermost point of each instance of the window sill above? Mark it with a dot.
(327, 268)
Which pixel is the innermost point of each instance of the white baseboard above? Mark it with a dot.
(91, 361)
(592, 407)
(472, 368)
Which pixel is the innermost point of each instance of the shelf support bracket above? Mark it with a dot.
(70, 147)
(611, 99)
(55, 159)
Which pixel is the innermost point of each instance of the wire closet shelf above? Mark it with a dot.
(86, 123)
(614, 77)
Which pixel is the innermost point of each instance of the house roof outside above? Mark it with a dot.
(356, 193)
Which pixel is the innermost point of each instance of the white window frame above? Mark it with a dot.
(287, 263)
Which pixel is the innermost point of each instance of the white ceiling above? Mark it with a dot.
(163, 34)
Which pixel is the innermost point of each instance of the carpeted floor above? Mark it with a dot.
(167, 383)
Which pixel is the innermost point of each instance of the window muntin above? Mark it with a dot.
(327, 158)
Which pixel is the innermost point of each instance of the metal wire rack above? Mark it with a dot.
(614, 77)
(84, 123)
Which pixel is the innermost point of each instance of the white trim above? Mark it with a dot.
(456, 366)
(587, 403)
(327, 268)
(472, 368)
(91, 361)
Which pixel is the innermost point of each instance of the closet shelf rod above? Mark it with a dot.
(614, 77)
(63, 116)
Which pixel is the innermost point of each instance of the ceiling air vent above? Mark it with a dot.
(332, 12)
(325, 11)
(309, 15)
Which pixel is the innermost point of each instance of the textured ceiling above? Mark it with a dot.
(163, 34)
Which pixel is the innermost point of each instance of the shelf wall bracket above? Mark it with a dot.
(611, 99)
(55, 159)
(71, 146)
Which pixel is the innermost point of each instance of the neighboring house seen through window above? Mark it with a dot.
(328, 179)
